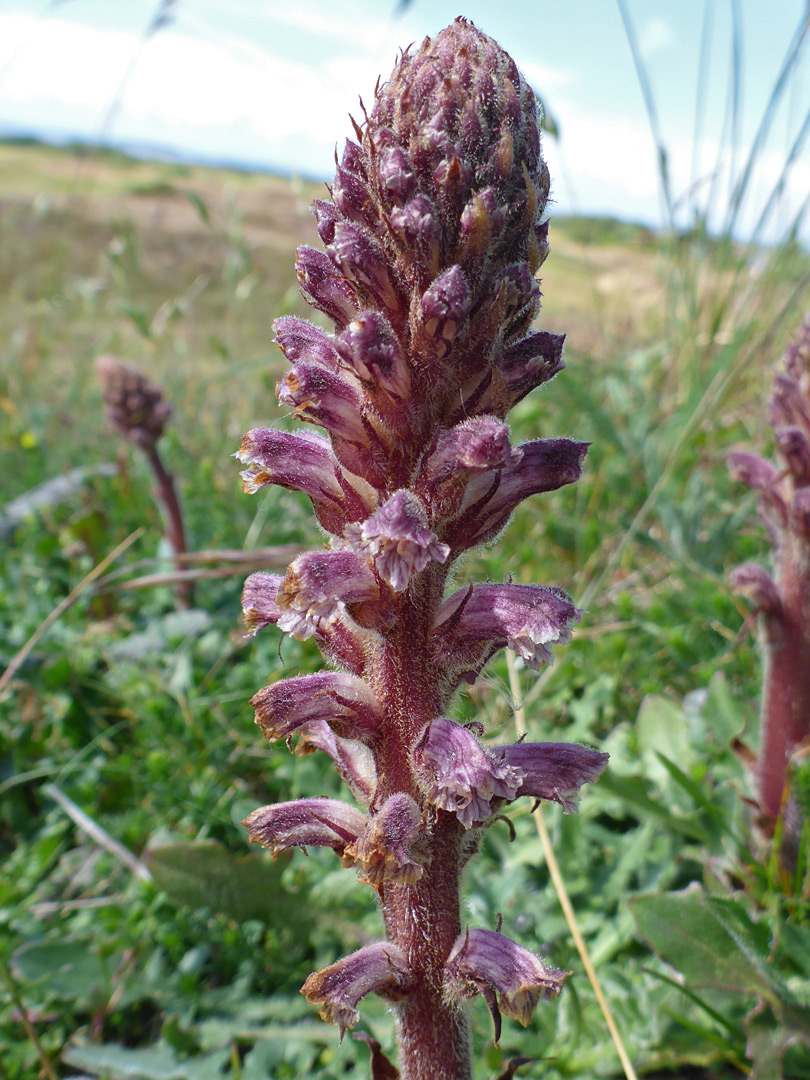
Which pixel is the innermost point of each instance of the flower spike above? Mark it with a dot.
(432, 238)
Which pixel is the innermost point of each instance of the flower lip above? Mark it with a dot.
(458, 775)
(473, 623)
(379, 968)
(553, 771)
(396, 538)
(509, 977)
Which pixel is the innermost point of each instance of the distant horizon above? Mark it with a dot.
(165, 155)
(639, 91)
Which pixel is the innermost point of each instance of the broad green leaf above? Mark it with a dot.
(205, 874)
(157, 1062)
(662, 728)
(710, 940)
(70, 969)
(724, 715)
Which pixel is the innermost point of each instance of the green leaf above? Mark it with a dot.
(205, 874)
(157, 1062)
(71, 970)
(662, 728)
(710, 940)
(200, 205)
(726, 717)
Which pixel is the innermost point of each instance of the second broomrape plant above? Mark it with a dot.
(433, 238)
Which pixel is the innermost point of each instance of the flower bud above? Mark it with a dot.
(301, 341)
(371, 350)
(325, 287)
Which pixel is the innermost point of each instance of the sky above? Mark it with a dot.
(270, 84)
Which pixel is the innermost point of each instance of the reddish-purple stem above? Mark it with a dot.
(166, 494)
(786, 690)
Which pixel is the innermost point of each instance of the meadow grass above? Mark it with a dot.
(138, 715)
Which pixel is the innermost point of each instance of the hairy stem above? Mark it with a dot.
(786, 691)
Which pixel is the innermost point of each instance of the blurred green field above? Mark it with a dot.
(139, 713)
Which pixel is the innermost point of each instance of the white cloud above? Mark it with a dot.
(656, 36)
(221, 96)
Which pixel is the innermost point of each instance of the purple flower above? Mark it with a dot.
(345, 702)
(397, 540)
(362, 261)
(554, 771)
(325, 287)
(445, 305)
(758, 586)
(510, 978)
(305, 463)
(317, 587)
(543, 465)
(474, 623)
(132, 403)
(305, 823)
(372, 351)
(794, 449)
(391, 847)
(259, 605)
(459, 775)
(469, 456)
(433, 237)
(301, 341)
(380, 968)
(353, 760)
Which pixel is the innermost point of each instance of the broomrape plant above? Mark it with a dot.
(782, 603)
(432, 239)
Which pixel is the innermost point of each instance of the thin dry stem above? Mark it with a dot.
(562, 892)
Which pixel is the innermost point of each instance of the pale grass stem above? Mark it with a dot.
(45, 1062)
(559, 886)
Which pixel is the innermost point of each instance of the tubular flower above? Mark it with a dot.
(344, 701)
(380, 968)
(459, 775)
(397, 540)
(432, 238)
(553, 771)
(305, 823)
(510, 978)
